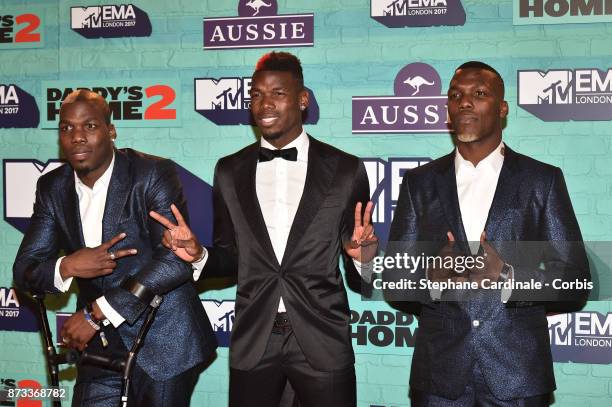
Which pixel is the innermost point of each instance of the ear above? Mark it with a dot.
(112, 132)
(503, 111)
(304, 99)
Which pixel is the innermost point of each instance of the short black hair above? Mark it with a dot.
(281, 61)
(486, 67)
(86, 95)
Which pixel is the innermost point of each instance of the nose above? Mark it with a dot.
(78, 135)
(267, 102)
(465, 102)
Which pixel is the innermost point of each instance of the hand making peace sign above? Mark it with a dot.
(179, 238)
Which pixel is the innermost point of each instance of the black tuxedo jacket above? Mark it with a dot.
(510, 341)
(181, 335)
(308, 277)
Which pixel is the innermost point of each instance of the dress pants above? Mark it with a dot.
(97, 387)
(477, 394)
(282, 361)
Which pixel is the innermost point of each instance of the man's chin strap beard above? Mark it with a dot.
(271, 137)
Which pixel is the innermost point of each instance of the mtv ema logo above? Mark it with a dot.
(17, 312)
(566, 94)
(417, 13)
(109, 21)
(561, 11)
(385, 178)
(417, 106)
(581, 337)
(17, 108)
(226, 101)
(134, 103)
(258, 26)
(21, 176)
(221, 315)
(20, 29)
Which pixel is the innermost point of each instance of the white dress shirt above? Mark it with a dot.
(91, 208)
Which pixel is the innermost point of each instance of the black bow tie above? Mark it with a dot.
(265, 154)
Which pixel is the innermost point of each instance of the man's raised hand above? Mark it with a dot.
(94, 262)
(364, 243)
(179, 238)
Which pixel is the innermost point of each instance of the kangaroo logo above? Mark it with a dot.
(256, 5)
(416, 82)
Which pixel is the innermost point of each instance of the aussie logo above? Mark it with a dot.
(226, 101)
(17, 108)
(20, 29)
(221, 315)
(581, 337)
(259, 26)
(21, 176)
(136, 104)
(561, 11)
(17, 311)
(385, 178)
(108, 21)
(417, 105)
(566, 94)
(417, 13)
(383, 328)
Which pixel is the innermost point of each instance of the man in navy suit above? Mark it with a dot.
(95, 211)
(483, 346)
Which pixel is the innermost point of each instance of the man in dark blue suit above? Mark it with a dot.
(95, 212)
(483, 346)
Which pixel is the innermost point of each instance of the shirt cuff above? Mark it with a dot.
(58, 282)
(364, 269)
(198, 265)
(434, 293)
(109, 312)
(506, 293)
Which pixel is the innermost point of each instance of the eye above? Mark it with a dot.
(279, 93)
(254, 95)
(453, 95)
(64, 127)
(480, 93)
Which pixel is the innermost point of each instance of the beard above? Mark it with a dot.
(467, 137)
(271, 136)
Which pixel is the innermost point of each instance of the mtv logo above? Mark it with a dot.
(20, 177)
(222, 94)
(86, 17)
(550, 88)
(221, 316)
(560, 329)
(380, 8)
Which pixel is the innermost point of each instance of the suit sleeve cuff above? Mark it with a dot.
(198, 265)
(109, 312)
(58, 282)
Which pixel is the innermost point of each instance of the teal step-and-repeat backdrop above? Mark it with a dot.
(177, 74)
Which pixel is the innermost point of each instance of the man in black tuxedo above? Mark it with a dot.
(484, 346)
(286, 208)
(94, 210)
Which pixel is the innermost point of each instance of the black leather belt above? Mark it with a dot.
(281, 321)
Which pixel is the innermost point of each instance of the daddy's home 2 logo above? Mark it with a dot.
(581, 337)
(561, 11)
(18, 108)
(417, 13)
(110, 21)
(385, 178)
(21, 176)
(566, 94)
(138, 103)
(21, 29)
(259, 26)
(226, 101)
(383, 329)
(417, 106)
(221, 315)
(17, 311)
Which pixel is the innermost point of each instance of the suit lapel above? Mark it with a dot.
(118, 191)
(72, 216)
(446, 184)
(319, 175)
(244, 181)
(505, 192)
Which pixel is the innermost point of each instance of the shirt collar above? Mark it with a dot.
(301, 143)
(494, 161)
(102, 182)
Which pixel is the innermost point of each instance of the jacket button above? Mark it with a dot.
(475, 323)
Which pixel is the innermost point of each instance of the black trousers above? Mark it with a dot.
(282, 362)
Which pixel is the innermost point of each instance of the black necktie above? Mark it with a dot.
(265, 154)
